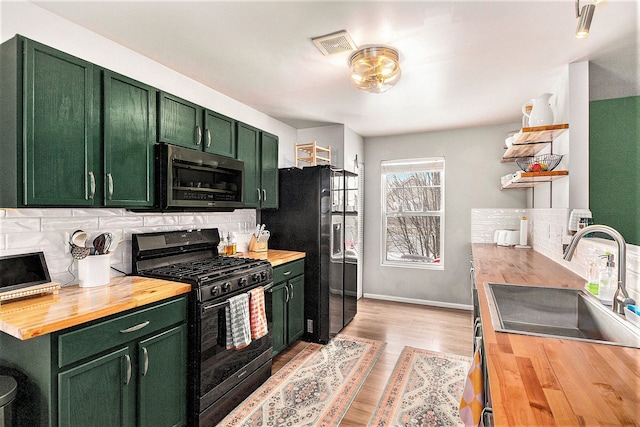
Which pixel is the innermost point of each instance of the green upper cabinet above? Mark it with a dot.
(248, 150)
(259, 152)
(219, 134)
(60, 162)
(188, 125)
(129, 135)
(269, 170)
(179, 122)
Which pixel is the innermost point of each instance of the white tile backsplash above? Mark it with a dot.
(484, 222)
(550, 225)
(47, 230)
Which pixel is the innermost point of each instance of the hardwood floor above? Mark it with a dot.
(399, 325)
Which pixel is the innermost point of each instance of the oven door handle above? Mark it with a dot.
(206, 308)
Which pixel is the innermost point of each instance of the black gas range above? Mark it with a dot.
(219, 379)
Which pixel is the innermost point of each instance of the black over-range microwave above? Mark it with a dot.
(191, 180)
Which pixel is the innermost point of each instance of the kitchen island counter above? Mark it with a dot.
(73, 305)
(548, 381)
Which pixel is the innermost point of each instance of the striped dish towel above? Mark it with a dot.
(257, 313)
(472, 402)
(238, 326)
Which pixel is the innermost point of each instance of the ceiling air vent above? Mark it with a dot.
(334, 43)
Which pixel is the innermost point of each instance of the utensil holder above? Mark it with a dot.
(94, 270)
(256, 246)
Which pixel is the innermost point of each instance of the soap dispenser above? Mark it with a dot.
(608, 282)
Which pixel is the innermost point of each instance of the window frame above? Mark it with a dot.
(411, 166)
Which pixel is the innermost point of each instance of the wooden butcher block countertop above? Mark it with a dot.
(546, 381)
(73, 305)
(275, 256)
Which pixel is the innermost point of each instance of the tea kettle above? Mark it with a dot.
(541, 113)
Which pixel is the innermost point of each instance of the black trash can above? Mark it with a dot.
(8, 391)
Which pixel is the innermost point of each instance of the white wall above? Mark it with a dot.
(472, 180)
(21, 17)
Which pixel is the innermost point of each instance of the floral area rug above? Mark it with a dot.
(314, 389)
(424, 390)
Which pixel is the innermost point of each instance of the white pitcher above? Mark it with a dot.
(541, 113)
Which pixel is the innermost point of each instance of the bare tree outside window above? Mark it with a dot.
(413, 212)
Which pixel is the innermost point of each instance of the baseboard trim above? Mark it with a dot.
(420, 301)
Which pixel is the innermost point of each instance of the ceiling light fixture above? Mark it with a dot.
(585, 16)
(375, 69)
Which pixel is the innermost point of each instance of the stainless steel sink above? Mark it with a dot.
(557, 313)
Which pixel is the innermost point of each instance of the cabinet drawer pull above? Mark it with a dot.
(286, 273)
(110, 179)
(134, 328)
(92, 185)
(127, 358)
(145, 363)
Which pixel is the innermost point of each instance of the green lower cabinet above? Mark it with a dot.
(96, 393)
(279, 317)
(287, 304)
(295, 312)
(162, 372)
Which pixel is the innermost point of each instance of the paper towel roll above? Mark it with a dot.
(524, 225)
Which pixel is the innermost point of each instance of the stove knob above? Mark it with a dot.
(242, 282)
(255, 277)
(226, 287)
(214, 291)
(263, 275)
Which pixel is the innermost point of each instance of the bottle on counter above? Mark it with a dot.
(231, 244)
(594, 265)
(608, 283)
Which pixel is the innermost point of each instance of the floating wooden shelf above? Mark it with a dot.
(312, 154)
(531, 179)
(530, 141)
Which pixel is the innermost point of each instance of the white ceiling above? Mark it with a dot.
(463, 63)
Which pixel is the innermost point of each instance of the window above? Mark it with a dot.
(413, 212)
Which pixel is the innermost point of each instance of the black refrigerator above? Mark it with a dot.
(318, 215)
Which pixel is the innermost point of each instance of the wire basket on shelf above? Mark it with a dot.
(541, 163)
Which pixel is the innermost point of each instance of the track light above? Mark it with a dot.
(585, 16)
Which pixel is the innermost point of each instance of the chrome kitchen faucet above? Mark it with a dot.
(621, 297)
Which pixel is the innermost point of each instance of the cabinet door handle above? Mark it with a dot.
(208, 138)
(286, 299)
(92, 185)
(127, 359)
(110, 179)
(291, 297)
(145, 363)
(134, 328)
(259, 195)
(264, 195)
(199, 137)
